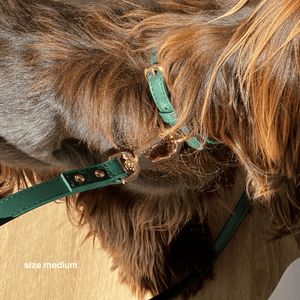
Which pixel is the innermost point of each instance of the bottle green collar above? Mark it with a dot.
(160, 94)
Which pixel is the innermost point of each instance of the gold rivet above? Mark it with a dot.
(79, 178)
(99, 173)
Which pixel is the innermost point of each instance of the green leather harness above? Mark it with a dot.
(160, 94)
(120, 169)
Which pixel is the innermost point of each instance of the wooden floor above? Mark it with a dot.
(248, 269)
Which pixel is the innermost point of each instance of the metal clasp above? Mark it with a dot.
(153, 69)
(148, 155)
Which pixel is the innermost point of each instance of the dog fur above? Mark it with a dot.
(261, 103)
(73, 92)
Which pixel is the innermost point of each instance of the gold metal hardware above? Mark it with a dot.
(130, 165)
(153, 69)
(148, 155)
(99, 174)
(79, 178)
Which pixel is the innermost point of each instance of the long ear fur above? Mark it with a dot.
(252, 105)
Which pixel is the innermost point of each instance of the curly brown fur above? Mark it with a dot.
(255, 84)
(73, 92)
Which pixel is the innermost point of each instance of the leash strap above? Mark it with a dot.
(160, 94)
(71, 182)
(219, 244)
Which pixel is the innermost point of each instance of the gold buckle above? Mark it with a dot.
(130, 165)
(148, 155)
(153, 69)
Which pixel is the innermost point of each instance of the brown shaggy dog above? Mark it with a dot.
(73, 92)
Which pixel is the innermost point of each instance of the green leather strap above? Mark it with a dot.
(160, 96)
(19, 203)
(231, 225)
(219, 244)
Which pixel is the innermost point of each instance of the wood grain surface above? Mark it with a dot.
(45, 235)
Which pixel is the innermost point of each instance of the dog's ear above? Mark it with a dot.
(251, 98)
(252, 105)
(269, 80)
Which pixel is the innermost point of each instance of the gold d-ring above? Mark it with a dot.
(153, 69)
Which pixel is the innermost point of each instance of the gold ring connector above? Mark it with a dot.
(153, 69)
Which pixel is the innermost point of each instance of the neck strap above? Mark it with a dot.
(160, 94)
